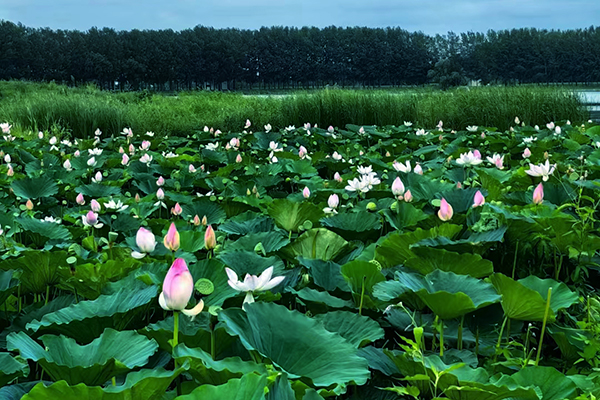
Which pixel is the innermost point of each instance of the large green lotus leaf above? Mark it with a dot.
(9, 280)
(429, 259)
(395, 250)
(191, 241)
(450, 295)
(318, 243)
(248, 387)
(405, 215)
(247, 222)
(40, 269)
(112, 354)
(378, 360)
(97, 190)
(480, 391)
(423, 187)
(356, 329)
(50, 230)
(561, 297)
(215, 372)
(204, 207)
(34, 188)
(353, 221)
(520, 302)
(299, 345)
(465, 245)
(12, 368)
(553, 384)
(290, 215)
(361, 273)
(461, 200)
(90, 279)
(146, 384)
(194, 333)
(389, 290)
(281, 389)
(326, 274)
(270, 241)
(316, 296)
(86, 320)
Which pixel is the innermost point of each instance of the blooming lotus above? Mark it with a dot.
(478, 200)
(145, 241)
(248, 124)
(97, 178)
(356, 185)
(336, 156)
(5, 126)
(145, 145)
(171, 239)
(543, 170)
(402, 167)
(497, 160)
(365, 170)
(125, 159)
(337, 177)
(91, 219)
(472, 128)
(469, 158)
(146, 159)
(117, 206)
(212, 146)
(177, 290)
(446, 211)
(253, 283)
(268, 128)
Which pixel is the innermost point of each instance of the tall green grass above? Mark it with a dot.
(35, 107)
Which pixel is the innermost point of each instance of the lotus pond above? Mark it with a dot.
(358, 262)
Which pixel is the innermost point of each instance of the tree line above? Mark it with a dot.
(295, 57)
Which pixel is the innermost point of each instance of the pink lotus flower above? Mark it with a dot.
(79, 199)
(253, 283)
(177, 290)
(248, 124)
(160, 194)
(77, 153)
(497, 160)
(196, 220)
(125, 159)
(333, 201)
(302, 152)
(95, 206)
(160, 181)
(398, 188)
(91, 219)
(527, 153)
(210, 240)
(177, 210)
(145, 145)
(478, 200)
(97, 178)
(330, 129)
(29, 205)
(171, 239)
(402, 167)
(538, 194)
(337, 177)
(306, 192)
(121, 150)
(145, 241)
(238, 158)
(192, 169)
(408, 197)
(418, 170)
(446, 211)
(11, 171)
(204, 220)
(131, 149)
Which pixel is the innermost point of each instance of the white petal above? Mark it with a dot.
(137, 255)
(264, 278)
(162, 301)
(247, 300)
(194, 311)
(273, 282)
(231, 274)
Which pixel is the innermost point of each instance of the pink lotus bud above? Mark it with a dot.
(10, 171)
(337, 177)
(446, 211)
(160, 181)
(145, 240)
(418, 170)
(95, 206)
(477, 154)
(306, 192)
(458, 185)
(178, 286)
(388, 154)
(538, 194)
(205, 128)
(302, 152)
(192, 169)
(210, 240)
(7, 158)
(527, 153)
(160, 194)
(196, 220)
(137, 198)
(238, 159)
(330, 129)
(98, 177)
(333, 201)
(67, 165)
(131, 149)
(90, 219)
(80, 200)
(29, 205)
(307, 125)
(125, 159)
(77, 153)
(204, 221)
(478, 200)
(361, 130)
(171, 240)
(53, 140)
(483, 135)
(40, 135)
(177, 209)
(248, 124)
(546, 155)
(408, 197)
(398, 188)
(145, 145)
(121, 150)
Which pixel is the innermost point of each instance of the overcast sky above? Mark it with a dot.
(428, 16)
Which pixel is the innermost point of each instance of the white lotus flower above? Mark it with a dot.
(212, 146)
(118, 206)
(365, 170)
(469, 159)
(253, 283)
(543, 170)
(472, 128)
(356, 185)
(402, 167)
(95, 152)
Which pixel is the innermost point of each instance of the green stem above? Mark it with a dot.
(362, 296)
(460, 332)
(213, 343)
(19, 296)
(499, 339)
(508, 331)
(114, 381)
(515, 260)
(441, 329)
(539, 352)
(47, 294)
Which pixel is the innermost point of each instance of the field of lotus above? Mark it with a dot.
(359, 262)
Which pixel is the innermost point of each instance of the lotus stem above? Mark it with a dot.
(441, 331)
(460, 332)
(539, 352)
(213, 344)
(19, 295)
(515, 260)
(362, 296)
(508, 331)
(47, 294)
(175, 332)
(114, 381)
(500, 339)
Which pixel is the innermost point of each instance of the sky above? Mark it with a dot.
(428, 16)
